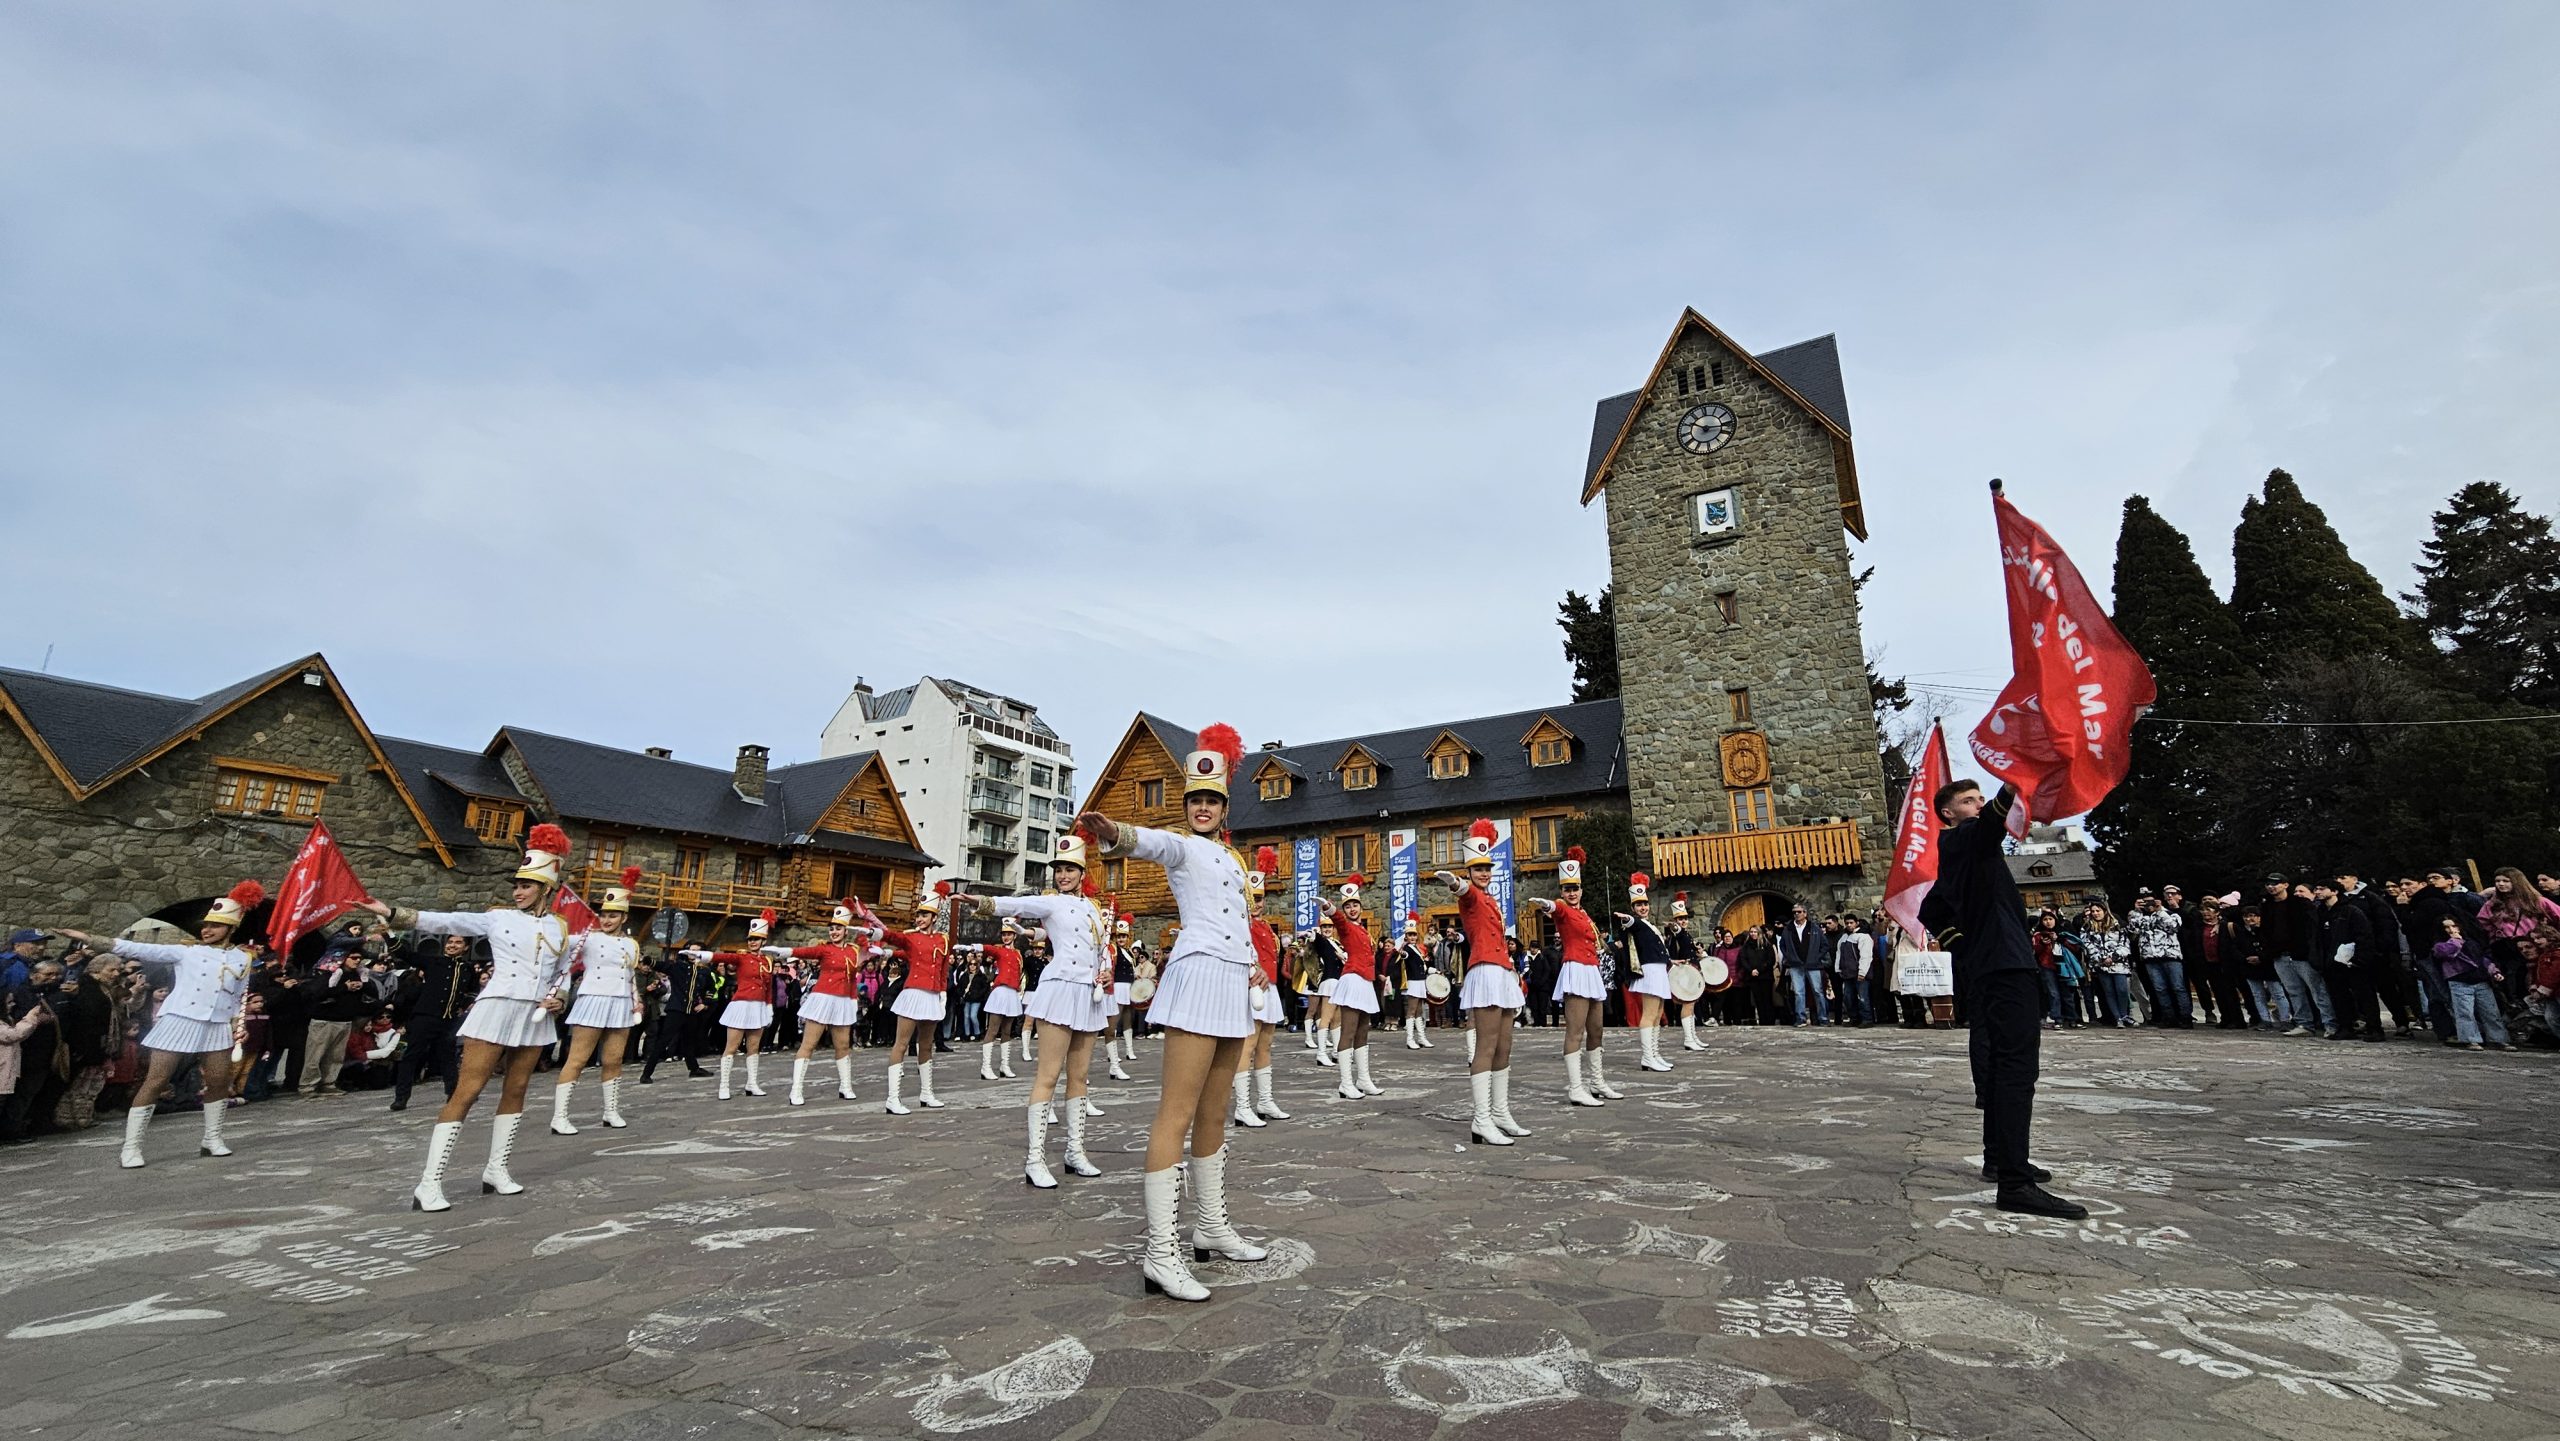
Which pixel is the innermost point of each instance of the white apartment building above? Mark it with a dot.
(985, 780)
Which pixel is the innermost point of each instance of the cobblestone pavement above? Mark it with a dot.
(1785, 1237)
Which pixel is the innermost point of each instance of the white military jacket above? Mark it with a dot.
(1207, 877)
(209, 983)
(530, 953)
(610, 961)
(1079, 945)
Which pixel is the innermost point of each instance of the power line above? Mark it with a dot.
(2279, 724)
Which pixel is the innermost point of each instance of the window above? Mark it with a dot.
(1738, 701)
(1036, 840)
(1448, 765)
(1043, 777)
(1445, 845)
(689, 863)
(1150, 794)
(1550, 751)
(1681, 379)
(994, 764)
(1035, 874)
(605, 852)
(1715, 372)
(494, 821)
(1546, 835)
(1275, 786)
(988, 833)
(243, 789)
(1729, 605)
(861, 883)
(991, 869)
(1751, 810)
(1115, 876)
(1351, 853)
(747, 870)
(1066, 779)
(1359, 776)
(2041, 870)
(1040, 808)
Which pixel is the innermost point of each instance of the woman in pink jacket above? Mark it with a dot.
(2509, 913)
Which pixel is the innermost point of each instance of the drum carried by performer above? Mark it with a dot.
(1688, 979)
(1648, 959)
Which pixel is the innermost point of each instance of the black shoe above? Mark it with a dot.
(2034, 1200)
(646, 1078)
(696, 1071)
(399, 1103)
(2038, 1173)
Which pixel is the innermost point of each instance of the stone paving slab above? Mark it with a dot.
(1784, 1238)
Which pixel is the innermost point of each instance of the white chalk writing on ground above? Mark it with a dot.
(1818, 1306)
(2376, 1113)
(1018, 1388)
(2091, 1232)
(1460, 1388)
(146, 1312)
(1962, 1330)
(2308, 1342)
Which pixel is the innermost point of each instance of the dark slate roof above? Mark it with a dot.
(94, 729)
(1811, 368)
(983, 701)
(888, 705)
(1500, 779)
(600, 783)
(441, 778)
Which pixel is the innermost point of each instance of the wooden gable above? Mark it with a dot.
(1549, 743)
(1140, 785)
(869, 806)
(1449, 756)
(1274, 779)
(1359, 768)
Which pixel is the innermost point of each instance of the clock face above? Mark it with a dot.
(1705, 429)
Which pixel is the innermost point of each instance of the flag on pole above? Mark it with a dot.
(568, 907)
(1915, 840)
(318, 888)
(2061, 733)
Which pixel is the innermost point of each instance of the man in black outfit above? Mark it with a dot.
(434, 994)
(1976, 910)
(684, 1014)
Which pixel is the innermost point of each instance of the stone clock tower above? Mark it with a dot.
(1730, 488)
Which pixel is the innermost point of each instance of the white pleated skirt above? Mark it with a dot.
(1355, 993)
(509, 1023)
(1121, 994)
(1268, 1011)
(1072, 1004)
(820, 1009)
(1205, 996)
(188, 1038)
(1326, 989)
(747, 1015)
(1004, 1001)
(605, 1013)
(918, 1005)
(1579, 978)
(1656, 981)
(1493, 987)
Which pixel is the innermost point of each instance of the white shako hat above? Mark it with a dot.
(1680, 905)
(1351, 885)
(930, 903)
(618, 897)
(1210, 767)
(1479, 844)
(231, 909)
(1121, 926)
(1070, 849)
(1636, 885)
(842, 915)
(762, 926)
(545, 851)
(1569, 870)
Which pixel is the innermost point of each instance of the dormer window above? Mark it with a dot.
(1274, 786)
(1450, 756)
(1549, 744)
(1360, 777)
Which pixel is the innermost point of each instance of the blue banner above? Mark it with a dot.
(1404, 881)
(1306, 876)
(1505, 878)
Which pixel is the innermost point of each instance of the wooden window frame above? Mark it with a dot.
(477, 814)
(1527, 831)
(1444, 857)
(305, 792)
(1151, 795)
(1737, 700)
(1449, 765)
(739, 874)
(1273, 787)
(1115, 874)
(684, 875)
(604, 853)
(1550, 751)
(1359, 778)
(1749, 817)
(1345, 864)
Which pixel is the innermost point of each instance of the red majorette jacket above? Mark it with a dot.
(836, 966)
(1008, 966)
(928, 956)
(1580, 936)
(1359, 953)
(1266, 950)
(1482, 921)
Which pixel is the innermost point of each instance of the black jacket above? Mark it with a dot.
(1810, 953)
(2343, 923)
(344, 996)
(1976, 898)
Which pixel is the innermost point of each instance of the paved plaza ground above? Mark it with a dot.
(1786, 1237)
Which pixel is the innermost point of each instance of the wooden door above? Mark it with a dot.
(1745, 912)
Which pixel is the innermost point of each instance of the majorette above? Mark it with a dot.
(1205, 1003)
(607, 1005)
(1253, 1074)
(511, 1022)
(830, 1007)
(196, 1020)
(1491, 995)
(750, 1008)
(1069, 1006)
(920, 1006)
(1355, 994)
(1579, 987)
(1649, 962)
(1124, 1000)
(1003, 1004)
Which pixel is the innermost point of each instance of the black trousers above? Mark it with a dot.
(2006, 1019)
(2359, 1003)
(431, 1049)
(678, 1036)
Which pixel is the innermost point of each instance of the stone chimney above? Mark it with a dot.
(659, 753)
(750, 772)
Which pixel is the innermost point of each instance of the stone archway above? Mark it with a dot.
(1739, 908)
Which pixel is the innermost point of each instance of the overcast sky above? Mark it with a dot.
(648, 372)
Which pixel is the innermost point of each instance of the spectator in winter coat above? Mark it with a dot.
(2473, 978)
(2346, 940)
(2510, 912)
(2160, 948)
(2292, 937)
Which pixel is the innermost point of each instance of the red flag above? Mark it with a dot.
(566, 905)
(318, 888)
(2061, 734)
(1915, 840)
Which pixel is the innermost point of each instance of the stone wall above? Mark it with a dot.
(1794, 642)
(152, 840)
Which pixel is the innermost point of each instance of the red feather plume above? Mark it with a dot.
(1267, 860)
(248, 894)
(1084, 886)
(548, 837)
(1225, 741)
(1573, 854)
(1639, 879)
(1355, 879)
(942, 888)
(769, 917)
(630, 877)
(1124, 915)
(1485, 831)
(1679, 895)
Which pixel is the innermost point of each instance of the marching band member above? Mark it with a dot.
(1069, 1005)
(1413, 979)
(1642, 950)
(1491, 995)
(1004, 1003)
(1684, 948)
(1328, 1016)
(1578, 984)
(1205, 1005)
(830, 1006)
(1124, 976)
(1355, 993)
(1254, 1072)
(195, 1022)
(750, 1007)
(607, 1004)
(920, 1006)
(510, 1025)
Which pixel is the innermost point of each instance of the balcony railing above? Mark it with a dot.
(994, 798)
(659, 889)
(1014, 733)
(1782, 848)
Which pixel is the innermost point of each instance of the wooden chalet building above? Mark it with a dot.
(1536, 768)
(119, 804)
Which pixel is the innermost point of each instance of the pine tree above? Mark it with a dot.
(1591, 644)
(2170, 820)
(2295, 590)
(2489, 595)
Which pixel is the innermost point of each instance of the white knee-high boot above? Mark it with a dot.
(1422, 1028)
(897, 1083)
(986, 1060)
(799, 1080)
(1264, 1104)
(1471, 1045)
(1117, 1073)
(1244, 1115)
(613, 1104)
(1368, 1087)
(844, 1078)
(1161, 1264)
(429, 1195)
(751, 1088)
(1689, 1034)
(924, 1087)
(494, 1179)
(134, 1121)
(1599, 1078)
(212, 1143)
(1211, 1232)
(1484, 1130)
(726, 1060)
(1004, 1059)
(1574, 1090)
(1035, 1170)
(1075, 1160)
(560, 1109)
(1502, 1103)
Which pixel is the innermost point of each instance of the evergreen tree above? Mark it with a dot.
(1607, 836)
(2295, 590)
(1591, 644)
(2489, 596)
(2171, 820)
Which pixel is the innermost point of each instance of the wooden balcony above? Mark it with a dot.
(1781, 848)
(660, 889)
